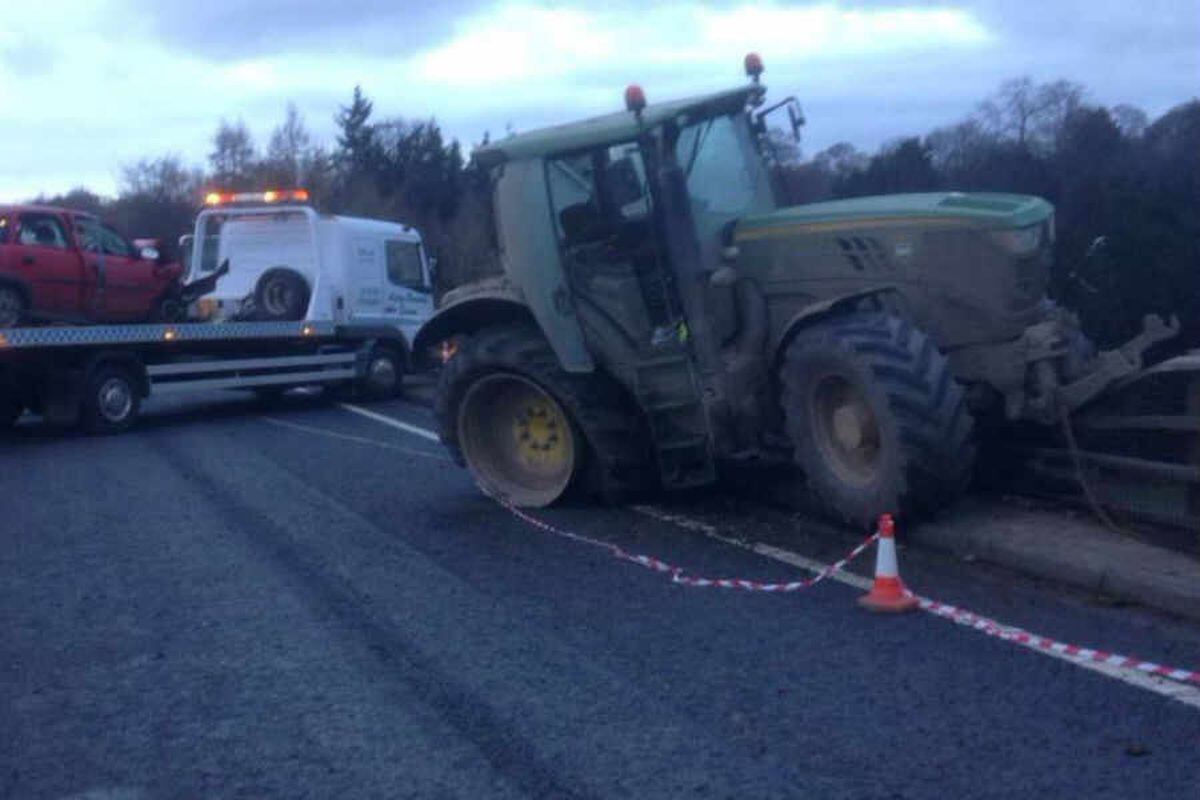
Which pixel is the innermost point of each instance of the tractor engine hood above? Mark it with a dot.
(978, 209)
(972, 268)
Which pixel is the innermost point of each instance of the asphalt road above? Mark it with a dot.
(306, 602)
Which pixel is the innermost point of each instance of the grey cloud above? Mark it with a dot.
(254, 28)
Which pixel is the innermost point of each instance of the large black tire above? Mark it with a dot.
(281, 295)
(13, 307)
(878, 422)
(383, 378)
(612, 459)
(111, 401)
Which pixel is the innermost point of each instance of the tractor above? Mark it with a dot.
(658, 313)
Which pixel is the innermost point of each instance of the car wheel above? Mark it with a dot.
(12, 306)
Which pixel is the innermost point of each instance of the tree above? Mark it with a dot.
(289, 148)
(1031, 114)
(164, 179)
(1131, 120)
(957, 149)
(233, 156)
(356, 140)
(79, 199)
(905, 166)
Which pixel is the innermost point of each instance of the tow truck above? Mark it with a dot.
(99, 375)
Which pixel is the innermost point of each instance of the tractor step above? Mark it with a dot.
(667, 389)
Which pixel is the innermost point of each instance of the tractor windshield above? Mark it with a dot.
(725, 176)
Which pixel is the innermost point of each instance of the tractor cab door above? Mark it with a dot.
(627, 303)
(609, 246)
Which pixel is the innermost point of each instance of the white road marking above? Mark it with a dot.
(394, 423)
(1174, 690)
(1165, 687)
(778, 554)
(356, 439)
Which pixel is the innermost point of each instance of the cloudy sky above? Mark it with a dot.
(101, 83)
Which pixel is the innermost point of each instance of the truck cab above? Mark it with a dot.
(60, 265)
(288, 262)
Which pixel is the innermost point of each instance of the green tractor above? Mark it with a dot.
(658, 313)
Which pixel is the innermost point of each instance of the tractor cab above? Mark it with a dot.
(630, 194)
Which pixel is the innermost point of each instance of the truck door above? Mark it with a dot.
(409, 295)
(43, 259)
(120, 284)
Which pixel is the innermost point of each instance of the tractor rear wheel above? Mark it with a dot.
(528, 430)
(878, 422)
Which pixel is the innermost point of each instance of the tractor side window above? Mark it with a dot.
(404, 265)
(577, 214)
(42, 230)
(718, 177)
(624, 183)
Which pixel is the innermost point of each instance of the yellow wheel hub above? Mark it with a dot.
(540, 430)
(516, 439)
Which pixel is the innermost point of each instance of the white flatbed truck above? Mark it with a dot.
(98, 375)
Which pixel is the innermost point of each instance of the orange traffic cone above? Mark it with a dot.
(888, 594)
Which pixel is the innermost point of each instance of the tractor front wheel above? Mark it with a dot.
(878, 422)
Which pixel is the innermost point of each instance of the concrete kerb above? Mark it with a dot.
(1068, 549)
(1044, 544)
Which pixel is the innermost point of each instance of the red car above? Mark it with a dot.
(58, 265)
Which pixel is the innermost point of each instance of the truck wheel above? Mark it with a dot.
(12, 306)
(878, 422)
(528, 430)
(281, 295)
(384, 375)
(111, 400)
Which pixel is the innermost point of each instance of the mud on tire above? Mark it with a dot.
(914, 456)
(615, 460)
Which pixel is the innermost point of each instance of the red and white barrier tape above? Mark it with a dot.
(676, 573)
(957, 615)
(1033, 641)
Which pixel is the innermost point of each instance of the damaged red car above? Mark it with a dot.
(59, 265)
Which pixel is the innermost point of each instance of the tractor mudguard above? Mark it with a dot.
(812, 313)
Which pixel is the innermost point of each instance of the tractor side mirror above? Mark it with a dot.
(795, 116)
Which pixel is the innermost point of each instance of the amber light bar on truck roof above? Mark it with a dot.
(269, 196)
